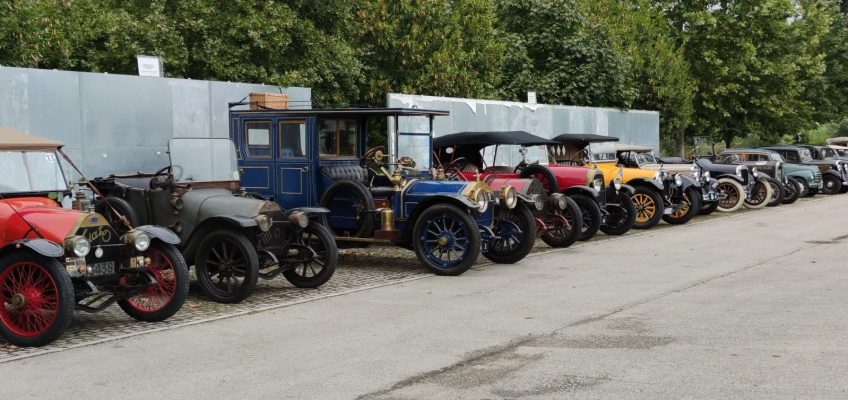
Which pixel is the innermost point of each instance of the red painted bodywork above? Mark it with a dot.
(566, 175)
(54, 222)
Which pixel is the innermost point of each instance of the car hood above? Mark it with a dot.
(53, 222)
(207, 203)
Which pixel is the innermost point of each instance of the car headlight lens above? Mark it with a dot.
(139, 239)
(678, 180)
(616, 183)
(482, 201)
(508, 197)
(559, 201)
(598, 184)
(263, 222)
(78, 245)
(299, 218)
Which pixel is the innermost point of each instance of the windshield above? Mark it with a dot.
(203, 160)
(806, 156)
(645, 158)
(829, 153)
(602, 151)
(34, 171)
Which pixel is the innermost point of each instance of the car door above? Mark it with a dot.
(255, 148)
(293, 164)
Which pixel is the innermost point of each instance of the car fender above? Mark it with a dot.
(734, 177)
(460, 201)
(628, 189)
(158, 232)
(41, 246)
(688, 182)
(645, 182)
(832, 172)
(310, 211)
(584, 190)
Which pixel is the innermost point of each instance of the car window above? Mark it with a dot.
(292, 134)
(258, 138)
(337, 137)
(34, 171)
(790, 156)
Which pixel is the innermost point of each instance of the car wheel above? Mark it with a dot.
(561, 234)
(227, 266)
(516, 231)
(320, 268)
(621, 218)
(160, 301)
(760, 195)
(831, 184)
(793, 191)
(351, 208)
(778, 192)
(649, 207)
(709, 207)
(446, 239)
(802, 184)
(111, 205)
(734, 195)
(36, 299)
(689, 207)
(591, 213)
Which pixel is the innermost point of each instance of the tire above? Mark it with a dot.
(212, 250)
(319, 238)
(761, 195)
(709, 208)
(512, 247)
(121, 206)
(831, 184)
(30, 285)
(362, 204)
(689, 207)
(544, 175)
(159, 302)
(805, 187)
(559, 236)
(649, 207)
(778, 192)
(793, 191)
(735, 195)
(624, 218)
(591, 212)
(424, 243)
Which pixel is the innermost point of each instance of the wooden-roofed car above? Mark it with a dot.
(54, 260)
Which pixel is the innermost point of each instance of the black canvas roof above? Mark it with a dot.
(488, 138)
(584, 138)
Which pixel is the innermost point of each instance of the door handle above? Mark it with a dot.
(305, 169)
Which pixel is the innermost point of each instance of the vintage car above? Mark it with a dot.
(797, 179)
(658, 195)
(559, 221)
(376, 196)
(756, 191)
(834, 172)
(634, 156)
(231, 238)
(839, 151)
(54, 260)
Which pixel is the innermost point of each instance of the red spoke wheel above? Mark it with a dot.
(37, 299)
(159, 301)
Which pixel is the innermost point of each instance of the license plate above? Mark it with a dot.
(102, 268)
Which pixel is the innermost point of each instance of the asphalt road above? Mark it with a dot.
(751, 306)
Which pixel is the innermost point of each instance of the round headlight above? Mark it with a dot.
(560, 201)
(617, 183)
(598, 184)
(78, 245)
(263, 222)
(538, 202)
(141, 241)
(754, 170)
(482, 201)
(299, 219)
(508, 197)
(678, 180)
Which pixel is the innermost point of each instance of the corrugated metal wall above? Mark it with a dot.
(120, 123)
(633, 126)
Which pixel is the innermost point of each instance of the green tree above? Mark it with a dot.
(829, 93)
(554, 50)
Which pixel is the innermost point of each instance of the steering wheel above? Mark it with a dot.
(372, 158)
(456, 166)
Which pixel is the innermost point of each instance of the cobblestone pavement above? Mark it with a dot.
(359, 269)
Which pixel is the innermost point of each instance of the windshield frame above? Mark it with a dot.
(595, 156)
(234, 159)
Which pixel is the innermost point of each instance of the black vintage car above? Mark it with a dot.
(786, 188)
(230, 237)
(834, 172)
(738, 185)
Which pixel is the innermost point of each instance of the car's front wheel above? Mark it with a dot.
(760, 195)
(793, 191)
(561, 233)
(516, 232)
(689, 207)
(621, 218)
(732, 193)
(591, 213)
(446, 239)
(831, 184)
(227, 266)
(160, 301)
(649, 207)
(317, 269)
(778, 192)
(36, 299)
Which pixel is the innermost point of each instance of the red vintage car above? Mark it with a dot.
(607, 209)
(54, 260)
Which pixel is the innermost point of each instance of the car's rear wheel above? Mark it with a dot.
(689, 207)
(446, 239)
(36, 299)
(793, 191)
(831, 184)
(516, 237)
(160, 301)
(778, 192)
(563, 234)
(591, 213)
(227, 266)
(621, 218)
(760, 195)
(733, 193)
(649, 207)
(317, 270)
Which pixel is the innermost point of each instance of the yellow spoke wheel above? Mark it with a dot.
(645, 207)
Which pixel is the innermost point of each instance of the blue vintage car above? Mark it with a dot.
(318, 157)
